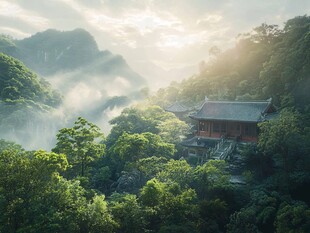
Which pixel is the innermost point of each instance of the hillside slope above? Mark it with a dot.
(266, 62)
(94, 84)
(26, 104)
(51, 53)
(18, 83)
(66, 58)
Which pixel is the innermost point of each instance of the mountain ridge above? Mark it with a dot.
(94, 84)
(53, 51)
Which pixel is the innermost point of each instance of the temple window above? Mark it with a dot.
(203, 126)
(216, 127)
(223, 128)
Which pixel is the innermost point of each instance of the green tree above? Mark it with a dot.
(131, 120)
(258, 215)
(264, 34)
(178, 171)
(145, 119)
(293, 217)
(242, 221)
(285, 74)
(35, 198)
(178, 208)
(17, 82)
(127, 153)
(173, 130)
(7, 145)
(158, 147)
(60, 208)
(132, 147)
(213, 215)
(259, 164)
(24, 180)
(152, 192)
(169, 208)
(279, 136)
(128, 213)
(101, 177)
(82, 144)
(150, 166)
(98, 217)
(210, 176)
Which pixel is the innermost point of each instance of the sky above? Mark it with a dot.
(163, 40)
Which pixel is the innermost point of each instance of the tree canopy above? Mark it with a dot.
(136, 179)
(82, 144)
(266, 62)
(17, 82)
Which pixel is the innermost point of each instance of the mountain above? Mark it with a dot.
(94, 84)
(18, 83)
(26, 104)
(52, 52)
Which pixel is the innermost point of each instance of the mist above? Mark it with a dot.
(98, 98)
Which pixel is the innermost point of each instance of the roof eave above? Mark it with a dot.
(218, 119)
(193, 117)
(176, 111)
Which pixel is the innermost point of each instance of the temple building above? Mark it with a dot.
(234, 121)
(178, 110)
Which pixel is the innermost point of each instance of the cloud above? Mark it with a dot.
(13, 31)
(149, 21)
(81, 96)
(181, 40)
(209, 20)
(119, 86)
(13, 10)
(173, 32)
(134, 23)
(9, 9)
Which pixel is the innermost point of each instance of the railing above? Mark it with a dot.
(226, 152)
(217, 147)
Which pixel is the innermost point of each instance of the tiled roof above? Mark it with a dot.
(176, 107)
(233, 111)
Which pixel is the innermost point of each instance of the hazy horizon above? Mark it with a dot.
(161, 40)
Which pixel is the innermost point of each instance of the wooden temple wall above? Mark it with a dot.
(228, 129)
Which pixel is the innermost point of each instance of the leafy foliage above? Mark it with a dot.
(147, 188)
(177, 171)
(151, 119)
(266, 62)
(81, 144)
(132, 147)
(280, 136)
(293, 217)
(128, 213)
(210, 176)
(18, 83)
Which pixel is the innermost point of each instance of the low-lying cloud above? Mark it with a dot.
(90, 96)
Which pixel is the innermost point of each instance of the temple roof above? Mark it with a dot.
(254, 111)
(176, 107)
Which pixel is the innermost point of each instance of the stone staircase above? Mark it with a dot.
(223, 149)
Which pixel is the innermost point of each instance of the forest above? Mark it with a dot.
(137, 177)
